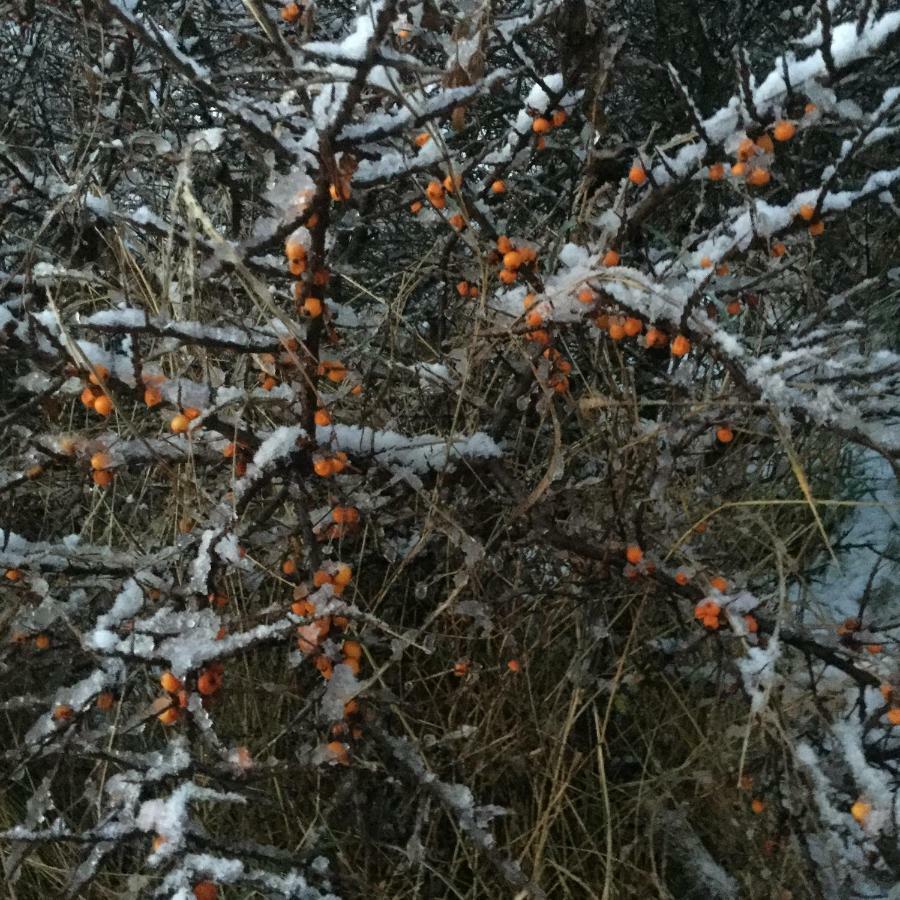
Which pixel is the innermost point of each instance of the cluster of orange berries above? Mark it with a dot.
(153, 390)
(543, 124)
(340, 189)
(350, 726)
(101, 469)
(94, 396)
(464, 289)
(707, 612)
(326, 466)
(436, 192)
(560, 368)
(181, 422)
(619, 327)
(512, 258)
(240, 454)
(308, 300)
(209, 683)
(534, 319)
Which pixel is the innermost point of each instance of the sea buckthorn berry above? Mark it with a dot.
(102, 478)
(312, 306)
(290, 13)
(205, 890)
(498, 186)
(733, 308)
(352, 649)
(707, 612)
(655, 337)
(101, 461)
(559, 118)
(634, 554)
(705, 262)
(815, 230)
(764, 143)
(343, 575)
(339, 753)
(633, 326)
(209, 683)
(179, 424)
(62, 712)
(722, 269)
(724, 435)
(716, 172)
(739, 170)
(453, 182)
(191, 413)
(751, 624)
(617, 329)
(422, 139)
(874, 649)
(169, 716)
(681, 578)
(778, 249)
(758, 177)
(513, 259)
(680, 345)
(462, 288)
(170, 682)
(152, 396)
(746, 149)
(42, 642)
(322, 417)
(513, 665)
(534, 319)
(806, 211)
(105, 701)
(719, 583)
(611, 258)
(13, 574)
(297, 267)
(893, 715)
(757, 806)
(504, 244)
(289, 567)
(103, 405)
(508, 276)
(586, 295)
(461, 668)
(541, 125)
(320, 577)
(860, 811)
(784, 131)
(637, 175)
(415, 207)
(98, 375)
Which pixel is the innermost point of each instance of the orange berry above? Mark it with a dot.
(103, 405)
(170, 683)
(297, 267)
(105, 701)
(209, 683)
(205, 890)
(508, 276)
(655, 338)
(534, 319)
(152, 396)
(751, 623)
(810, 108)
(303, 608)
(705, 262)
(784, 131)
(514, 666)
(764, 142)
(860, 811)
(886, 690)
(734, 308)
(874, 649)
(746, 149)
(559, 118)
(322, 417)
(462, 288)
(169, 716)
(722, 269)
(586, 295)
(312, 306)
(415, 207)
(102, 478)
(815, 230)
(529, 301)
(343, 575)
(460, 668)
(289, 567)
(42, 642)
(191, 413)
(757, 806)
(513, 259)
(637, 175)
(739, 170)
(758, 177)
(325, 667)
(422, 139)
(617, 330)
(634, 554)
(611, 258)
(268, 383)
(63, 712)
(453, 182)
(724, 435)
(633, 326)
(716, 172)
(778, 249)
(179, 423)
(719, 583)
(806, 211)
(541, 125)
(101, 461)
(88, 397)
(893, 715)
(681, 578)
(498, 186)
(339, 753)
(680, 345)
(290, 13)
(457, 221)
(99, 375)
(229, 450)
(352, 649)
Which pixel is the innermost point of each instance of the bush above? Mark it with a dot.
(449, 451)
